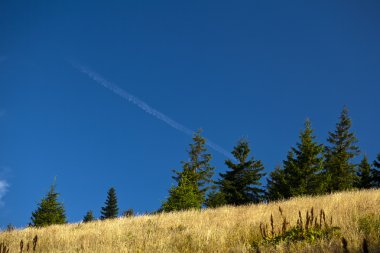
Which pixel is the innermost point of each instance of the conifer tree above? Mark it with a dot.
(184, 196)
(302, 172)
(339, 169)
(364, 174)
(194, 179)
(110, 210)
(241, 183)
(375, 173)
(49, 210)
(89, 217)
(277, 187)
(215, 199)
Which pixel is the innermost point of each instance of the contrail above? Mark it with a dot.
(145, 107)
(3, 190)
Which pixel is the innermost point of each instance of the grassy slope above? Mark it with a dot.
(226, 229)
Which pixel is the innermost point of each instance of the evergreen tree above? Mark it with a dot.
(339, 169)
(89, 217)
(301, 172)
(277, 187)
(303, 167)
(215, 199)
(193, 181)
(241, 184)
(128, 213)
(49, 210)
(184, 196)
(110, 210)
(375, 173)
(364, 174)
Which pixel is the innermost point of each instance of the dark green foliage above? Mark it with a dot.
(215, 199)
(301, 172)
(375, 172)
(110, 210)
(128, 213)
(364, 174)
(193, 181)
(277, 187)
(241, 183)
(49, 210)
(339, 170)
(89, 217)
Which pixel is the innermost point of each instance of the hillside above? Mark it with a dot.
(226, 229)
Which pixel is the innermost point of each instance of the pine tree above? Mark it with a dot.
(277, 187)
(302, 172)
(194, 179)
(241, 184)
(49, 210)
(339, 169)
(89, 217)
(364, 174)
(110, 210)
(375, 173)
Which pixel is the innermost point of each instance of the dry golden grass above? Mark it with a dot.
(226, 229)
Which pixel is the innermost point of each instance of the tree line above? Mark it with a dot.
(310, 168)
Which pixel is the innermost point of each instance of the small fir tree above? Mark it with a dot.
(110, 210)
(49, 210)
(184, 196)
(194, 180)
(128, 213)
(339, 169)
(241, 183)
(375, 172)
(277, 187)
(364, 174)
(89, 217)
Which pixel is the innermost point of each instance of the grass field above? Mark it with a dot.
(225, 229)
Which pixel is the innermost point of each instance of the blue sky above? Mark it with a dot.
(254, 69)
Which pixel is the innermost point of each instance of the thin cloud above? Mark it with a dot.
(3, 190)
(144, 106)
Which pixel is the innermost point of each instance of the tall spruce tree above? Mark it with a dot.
(241, 183)
(49, 210)
(110, 210)
(364, 180)
(339, 168)
(301, 172)
(194, 179)
(375, 173)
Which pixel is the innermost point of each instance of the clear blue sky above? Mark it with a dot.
(254, 69)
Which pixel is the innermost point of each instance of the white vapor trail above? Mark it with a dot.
(144, 106)
(3, 190)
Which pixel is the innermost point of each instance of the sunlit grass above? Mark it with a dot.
(225, 229)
